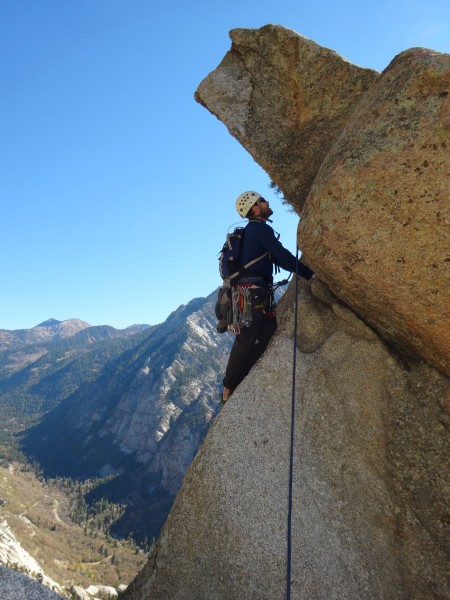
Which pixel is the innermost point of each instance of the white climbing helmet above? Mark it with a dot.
(245, 201)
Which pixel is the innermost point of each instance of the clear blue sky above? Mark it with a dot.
(116, 187)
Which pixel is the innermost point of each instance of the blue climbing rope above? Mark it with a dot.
(291, 452)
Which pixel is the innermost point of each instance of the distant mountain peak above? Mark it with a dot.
(49, 323)
(68, 324)
(51, 329)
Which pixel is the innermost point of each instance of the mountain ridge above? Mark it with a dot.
(52, 329)
(130, 405)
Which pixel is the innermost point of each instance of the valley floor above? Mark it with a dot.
(39, 537)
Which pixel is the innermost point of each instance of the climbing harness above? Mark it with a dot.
(242, 304)
(291, 452)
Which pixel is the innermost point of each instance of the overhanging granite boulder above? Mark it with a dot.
(285, 99)
(376, 224)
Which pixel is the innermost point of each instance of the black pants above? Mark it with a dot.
(250, 344)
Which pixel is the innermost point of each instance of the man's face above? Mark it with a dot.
(265, 209)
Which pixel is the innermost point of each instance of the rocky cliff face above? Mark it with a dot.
(371, 426)
(15, 586)
(12, 553)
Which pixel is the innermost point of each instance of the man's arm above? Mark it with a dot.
(281, 255)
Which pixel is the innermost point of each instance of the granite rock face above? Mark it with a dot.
(370, 483)
(371, 448)
(285, 99)
(376, 224)
(15, 586)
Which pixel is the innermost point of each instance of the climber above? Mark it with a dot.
(256, 286)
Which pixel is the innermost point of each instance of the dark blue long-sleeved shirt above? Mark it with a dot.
(259, 238)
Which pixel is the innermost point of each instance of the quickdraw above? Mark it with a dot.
(242, 308)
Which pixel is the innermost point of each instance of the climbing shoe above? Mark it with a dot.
(226, 395)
